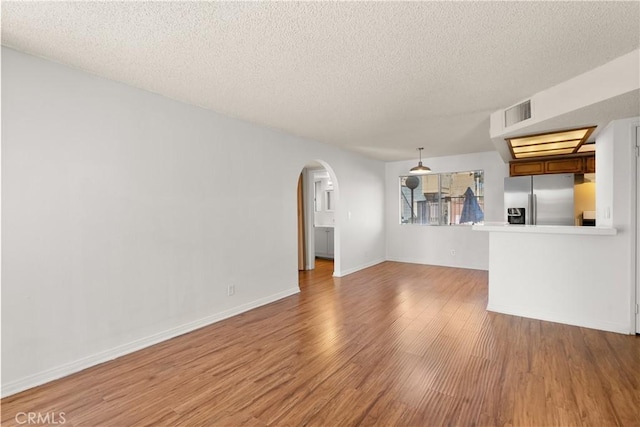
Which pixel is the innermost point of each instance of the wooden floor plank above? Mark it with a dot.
(393, 345)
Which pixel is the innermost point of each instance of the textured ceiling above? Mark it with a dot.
(377, 78)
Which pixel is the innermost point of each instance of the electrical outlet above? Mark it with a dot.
(453, 252)
(231, 289)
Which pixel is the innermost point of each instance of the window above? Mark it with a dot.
(442, 199)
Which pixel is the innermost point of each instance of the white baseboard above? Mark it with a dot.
(358, 268)
(423, 262)
(48, 375)
(601, 325)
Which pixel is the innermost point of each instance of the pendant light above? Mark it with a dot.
(420, 169)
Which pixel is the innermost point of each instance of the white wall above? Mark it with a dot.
(126, 215)
(433, 244)
(605, 163)
(572, 279)
(615, 199)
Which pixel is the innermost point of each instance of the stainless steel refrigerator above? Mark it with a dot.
(539, 199)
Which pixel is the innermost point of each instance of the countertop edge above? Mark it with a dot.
(546, 229)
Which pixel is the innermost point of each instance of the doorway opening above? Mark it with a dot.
(318, 225)
(321, 274)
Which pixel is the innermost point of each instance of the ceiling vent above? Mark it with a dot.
(517, 113)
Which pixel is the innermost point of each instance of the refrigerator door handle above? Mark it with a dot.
(534, 217)
(529, 213)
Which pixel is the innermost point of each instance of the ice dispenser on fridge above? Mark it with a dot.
(516, 215)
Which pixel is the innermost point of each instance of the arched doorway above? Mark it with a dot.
(318, 219)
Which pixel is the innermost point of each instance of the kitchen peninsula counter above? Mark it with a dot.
(546, 229)
(558, 274)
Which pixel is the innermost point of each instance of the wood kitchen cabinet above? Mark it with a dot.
(581, 164)
(572, 165)
(526, 168)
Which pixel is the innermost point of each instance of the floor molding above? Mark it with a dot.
(423, 262)
(559, 318)
(358, 268)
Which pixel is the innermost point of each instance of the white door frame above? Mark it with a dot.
(637, 226)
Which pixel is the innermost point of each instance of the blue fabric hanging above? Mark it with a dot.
(471, 211)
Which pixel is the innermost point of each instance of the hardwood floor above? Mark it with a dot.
(396, 344)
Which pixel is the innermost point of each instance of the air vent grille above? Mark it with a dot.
(517, 113)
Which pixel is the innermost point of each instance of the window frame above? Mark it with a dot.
(449, 205)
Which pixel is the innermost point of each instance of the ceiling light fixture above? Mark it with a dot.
(420, 169)
(549, 144)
